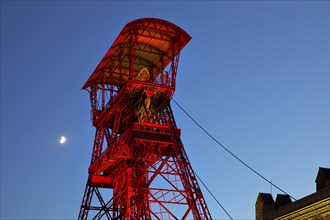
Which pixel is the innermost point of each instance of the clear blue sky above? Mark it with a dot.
(255, 75)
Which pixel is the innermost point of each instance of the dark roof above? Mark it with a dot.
(298, 204)
(282, 200)
(266, 198)
(324, 173)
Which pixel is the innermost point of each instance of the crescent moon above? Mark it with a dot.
(62, 140)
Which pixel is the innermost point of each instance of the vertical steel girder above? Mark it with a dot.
(146, 166)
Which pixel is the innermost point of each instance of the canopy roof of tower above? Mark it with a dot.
(145, 42)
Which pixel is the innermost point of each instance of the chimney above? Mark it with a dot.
(322, 178)
(264, 204)
(282, 200)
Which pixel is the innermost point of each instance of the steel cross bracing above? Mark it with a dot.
(139, 168)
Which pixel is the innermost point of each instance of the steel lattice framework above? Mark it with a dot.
(139, 168)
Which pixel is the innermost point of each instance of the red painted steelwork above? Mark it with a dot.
(147, 42)
(139, 168)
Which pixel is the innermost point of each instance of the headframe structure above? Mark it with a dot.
(139, 168)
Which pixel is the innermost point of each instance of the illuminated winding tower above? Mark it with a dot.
(139, 168)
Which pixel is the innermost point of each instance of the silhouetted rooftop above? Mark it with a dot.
(267, 198)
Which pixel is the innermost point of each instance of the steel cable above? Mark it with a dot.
(200, 180)
(228, 151)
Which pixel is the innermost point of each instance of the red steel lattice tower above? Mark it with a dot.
(139, 168)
